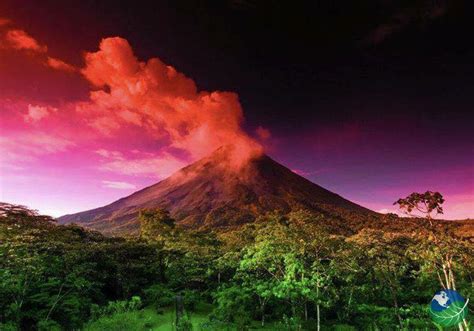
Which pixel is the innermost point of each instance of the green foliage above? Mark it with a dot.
(48, 325)
(279, 273)
(124, 321)
(159, 296)
(234, 305)
(117, 307)
(155, 224)
(290, 323)
(184, 324)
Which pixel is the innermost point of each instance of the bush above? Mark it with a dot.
(290, 324)
(343, 327)
(184, 324)
(9, 326)
(191, 298)
(215, 325)
(158, 296)
(234, 305)
(48, 325)
(132, 320)
(116, 307)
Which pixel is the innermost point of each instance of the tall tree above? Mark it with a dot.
(428, 203)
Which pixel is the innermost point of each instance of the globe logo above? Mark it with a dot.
(448, 308)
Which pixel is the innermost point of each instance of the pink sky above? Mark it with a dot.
(76, 137)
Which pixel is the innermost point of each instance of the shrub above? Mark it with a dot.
(132, 320)
(48, 325)
(9, 326)
(115, 307)
(159, 296)
(184, 324)
(191, 298)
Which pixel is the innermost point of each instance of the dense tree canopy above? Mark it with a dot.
(292, 272)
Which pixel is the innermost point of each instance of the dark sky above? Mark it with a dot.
(326, 61)
(357, 95)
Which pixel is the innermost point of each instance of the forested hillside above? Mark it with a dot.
(281, 272)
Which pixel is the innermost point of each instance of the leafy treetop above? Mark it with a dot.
(425, 203)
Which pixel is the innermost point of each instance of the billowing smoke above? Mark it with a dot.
(163, 102)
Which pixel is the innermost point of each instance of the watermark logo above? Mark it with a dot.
(448, 308)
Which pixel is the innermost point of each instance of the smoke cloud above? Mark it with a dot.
(163, 102)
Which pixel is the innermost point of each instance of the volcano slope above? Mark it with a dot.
(212, 193)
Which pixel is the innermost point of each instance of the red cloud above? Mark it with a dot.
(164, 102)
(147, 106)
(263, 133)
(19, 39)
(59, 64)
(4, 21)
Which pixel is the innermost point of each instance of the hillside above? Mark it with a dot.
(212, 193)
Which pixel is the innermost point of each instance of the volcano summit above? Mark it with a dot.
(211, 193)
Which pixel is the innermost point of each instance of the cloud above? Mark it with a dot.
(27, 147)
(37, 113)
(156, 166)
(160, 100)
(419, 14)
(37, 143)
(139, 163)
(59, 64)
(142, 118)
(263, 133)
(4, 21)
(19, 39)
(118, 185)
(110, 154)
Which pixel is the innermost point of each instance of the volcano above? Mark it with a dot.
(213, 193)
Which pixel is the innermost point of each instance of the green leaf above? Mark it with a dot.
(453, 315)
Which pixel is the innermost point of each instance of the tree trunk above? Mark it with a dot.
(395, 303)
(58, 297)
(179, 306)
(318, 318)
(305, 310)
(293, 311)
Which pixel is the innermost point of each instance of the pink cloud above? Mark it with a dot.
(110, 154)
(37, 113)
(26, 147)
(149, 105)
(19, 39)
(159, 166)
(118, 185)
